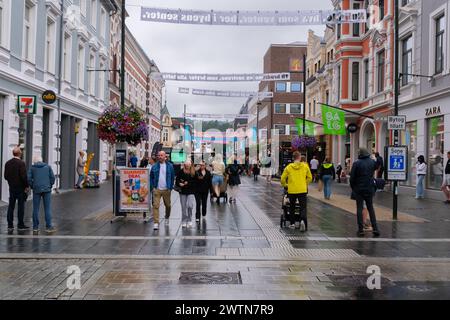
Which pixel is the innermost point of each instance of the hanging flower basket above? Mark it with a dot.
(122, 125)
(303, 142)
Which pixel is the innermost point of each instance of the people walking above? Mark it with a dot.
(380, 165)
(446, 183)
(202, 186)
(314, 165)
(133, 161)
(144, 162)
(162, 179)
(255, 171)
(363, 189)
(268, 168)
(186, 182)
(421, 171)
(41, 180)
(296, 177)
(80, 169)
(339, 172)
(218, 170)
(234, 171)
(16, 175)
(327, 174)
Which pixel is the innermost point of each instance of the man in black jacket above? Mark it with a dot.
(363, 189)
(16, 175)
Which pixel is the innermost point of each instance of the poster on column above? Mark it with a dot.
(333, 121)
(134, 190)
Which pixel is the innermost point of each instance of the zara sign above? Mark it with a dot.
(429, 112)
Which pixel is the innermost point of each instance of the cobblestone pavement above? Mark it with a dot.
(129, 260)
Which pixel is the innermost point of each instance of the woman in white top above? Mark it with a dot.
(218, 169)
(421, 171)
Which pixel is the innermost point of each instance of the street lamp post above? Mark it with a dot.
(258, 104)
(122, 58)
(396, 94)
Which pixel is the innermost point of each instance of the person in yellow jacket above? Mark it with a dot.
(296, 177)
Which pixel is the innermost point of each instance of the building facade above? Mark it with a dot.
(30, 56)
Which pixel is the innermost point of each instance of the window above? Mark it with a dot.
(50, 46)
(366, 78)
(380, 70)
(338, 31)
(339, 84)
(165, 135)
(101, 82)
(439, 46)
(309, 109)
(435, 152)
(356, 26)
(405, 2)
(381, 6)
(296, 87)
(80, 60)
(406, 60)
(29, 34)
(66, 57)
(91, 77)
(2, 19)
(296, 108)
(102, 30)
(281, 128)
(355, 81)
(94, 13)
(280, 108)
(327, 97)
(281, 87)
(314, 107)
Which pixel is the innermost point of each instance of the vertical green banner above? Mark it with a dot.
(309, 127)
(333, 121)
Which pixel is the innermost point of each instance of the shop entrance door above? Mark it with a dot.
(68, 152)
(93, 146)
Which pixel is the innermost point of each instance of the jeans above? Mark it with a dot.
(187, 205)
(327, 186)
(19, 196)
(47, 209)
(368, 199)
(201, 200)
(217, 180)
(302, 197)
(80, 180)
(420, 192)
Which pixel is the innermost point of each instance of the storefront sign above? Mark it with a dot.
(309, 127)
(26, 104)
(253, 18)
(49, 97)
(238, 77)
(333, 121)
(397, 163)
(352, 128)
(397, 123)
(435, 111)
(134, 190)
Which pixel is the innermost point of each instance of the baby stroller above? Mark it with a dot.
(222, 189)
(286, 206)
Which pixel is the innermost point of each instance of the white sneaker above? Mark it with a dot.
(190, 224)
(166, 222)
(156, 226)
(292, 226)
(302, 226)
(184, 225)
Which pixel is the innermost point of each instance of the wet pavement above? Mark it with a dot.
(128, 259)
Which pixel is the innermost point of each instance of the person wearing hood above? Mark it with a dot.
(234, 171)
(363, 189)
(421, 171)
(296, 177)
(41, 180)
(326, 173)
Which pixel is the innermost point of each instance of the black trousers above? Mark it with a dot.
(368, 199)
(201, 200)
(302, 199)
(255, 177)
(19, 196)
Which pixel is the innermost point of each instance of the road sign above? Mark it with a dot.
(397, 123)
(26, 104)
(397, 163)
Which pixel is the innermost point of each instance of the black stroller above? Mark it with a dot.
(286, 205)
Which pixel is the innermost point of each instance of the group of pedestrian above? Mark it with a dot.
(421, 173)
(40, 179)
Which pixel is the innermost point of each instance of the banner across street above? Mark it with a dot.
(227, 94)
(253, 18)
(239, 77)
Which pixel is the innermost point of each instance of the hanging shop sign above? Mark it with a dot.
(26, 104)
(228, 94)
(134, 190)
(352, 128)
(253, 18)
(309, 127)
(285, 76)
(333, 121)
(49, 97)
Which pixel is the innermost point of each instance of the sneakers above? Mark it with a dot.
(23, 228)
(184, 225)
(35, 232)
(360, 234)
(156, 226)
(292, 226)
(376, 233)
(231, 199)
(302, 226)
(10, 230)
(297, 225)
(197, 220)
(189, 224)
(50, 230)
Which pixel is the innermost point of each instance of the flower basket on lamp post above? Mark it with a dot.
(303, 143)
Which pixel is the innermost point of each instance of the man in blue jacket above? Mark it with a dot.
(41, 180)
(162, 179)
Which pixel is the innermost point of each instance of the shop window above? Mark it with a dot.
(435, 143)
(280, 108)
(409, 139)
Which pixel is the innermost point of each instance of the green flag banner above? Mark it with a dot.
(309, 127)
(333, 121)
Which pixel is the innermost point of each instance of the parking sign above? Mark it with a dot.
(397, 163)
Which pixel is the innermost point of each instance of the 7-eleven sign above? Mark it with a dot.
(26, 104)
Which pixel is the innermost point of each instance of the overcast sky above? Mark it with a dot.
(214, 49)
